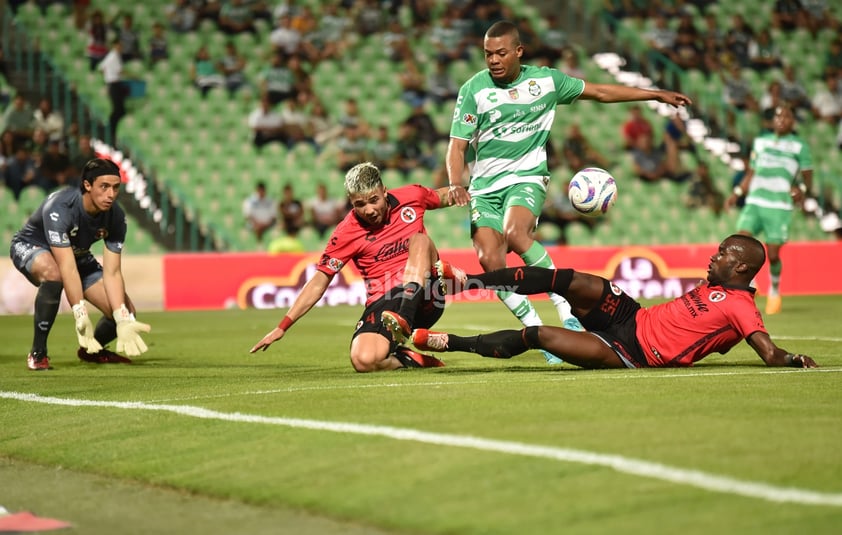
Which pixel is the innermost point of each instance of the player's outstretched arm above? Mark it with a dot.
(621, 93)
(773, 355)
(309, 296)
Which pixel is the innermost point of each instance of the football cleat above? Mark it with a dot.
(773, 304)
(397, 326)
(38, 363)
(550, 358)
(572, 323)
(104, 356)
(413, 359)
(445, 271)
(427, 340)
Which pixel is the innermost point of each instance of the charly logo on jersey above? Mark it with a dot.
(534, 89)
(73, 231)
(469, 119)
(513, 94)
(408, 214)
(716, 296)
(54, 216)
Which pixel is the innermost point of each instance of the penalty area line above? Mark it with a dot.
(626, 465)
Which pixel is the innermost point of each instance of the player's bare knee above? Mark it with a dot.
(365, 361)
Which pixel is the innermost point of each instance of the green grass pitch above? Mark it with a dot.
(199, 436)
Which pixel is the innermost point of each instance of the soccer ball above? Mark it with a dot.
(592, 191)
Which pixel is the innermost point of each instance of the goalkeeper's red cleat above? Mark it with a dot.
(448, 273)
(426, 340)
(396, 325)
(413, 359)
(104, 356)
(38, 363)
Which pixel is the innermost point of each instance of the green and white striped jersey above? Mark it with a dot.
(776, 162)
(507, 126)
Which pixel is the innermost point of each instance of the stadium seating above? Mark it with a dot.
(202, 146)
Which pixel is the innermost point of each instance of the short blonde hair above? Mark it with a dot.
(362, 178)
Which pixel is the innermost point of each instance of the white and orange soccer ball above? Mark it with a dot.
(592, 191)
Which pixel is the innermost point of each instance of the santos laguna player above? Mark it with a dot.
(384, 236)
(713, 317)
(500, 127)
(53, 251)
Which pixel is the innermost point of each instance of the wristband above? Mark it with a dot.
(455, 186)
(285, 323)
(790, 360)
(803, 187)
(739, 191)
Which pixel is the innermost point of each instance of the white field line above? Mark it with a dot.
(557, 376)
(680, 476)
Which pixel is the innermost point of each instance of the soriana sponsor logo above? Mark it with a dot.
(281, 292)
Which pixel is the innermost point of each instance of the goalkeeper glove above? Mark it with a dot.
(128, 339)
(85, 329)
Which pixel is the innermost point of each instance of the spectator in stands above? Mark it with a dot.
(703, 192)
(292, 211)
(351, 116)
(80, 13)
(661, 40)
(4, 69)
(578, 151)
(441, 86)
(352, 147)
(232, 65)
(260, 212)
(284, 38)
(793, 91)
(322, 125)
(769, 101)
(675, 128)
(413, 83)
(182, 15)
(324, 211)
(19, 119)
(687, 52)
(570, 64)
(333, 35)
(763, 53)
(21, 171)
(817, 15)
(383, 149)
(235, 16)
(736, 94)
(276, 80)
(787, 15)
(55, 165)
(204, 72)
(833, 57)
(7, 148)
(158, 44)
(396, 43)
(368, 17)
(80, 155)
(128, 36)
(112, 72)
(737, 38)
(652, 163)
(553, 41)
(424, 126)
(449, 42)
(827, 102)
(266, 124)
(97, 46)
(411, 151)
(49, 120)
(559, 211)
(38, 145)
(635, 127)
(296, 120)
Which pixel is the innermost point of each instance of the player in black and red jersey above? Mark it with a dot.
(713, 317)
(384, 236)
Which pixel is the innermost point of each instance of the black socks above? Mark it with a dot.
(46, 307)
(527, 280)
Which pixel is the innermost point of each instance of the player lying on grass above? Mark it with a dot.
(714, 316)
(384, 236)
(53, 251)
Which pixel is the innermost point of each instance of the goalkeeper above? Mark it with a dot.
(53, 251)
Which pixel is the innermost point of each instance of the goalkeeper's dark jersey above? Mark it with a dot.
(61, 221)
(380, 253)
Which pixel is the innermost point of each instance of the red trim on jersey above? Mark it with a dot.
(707, 319)
(380, 253)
